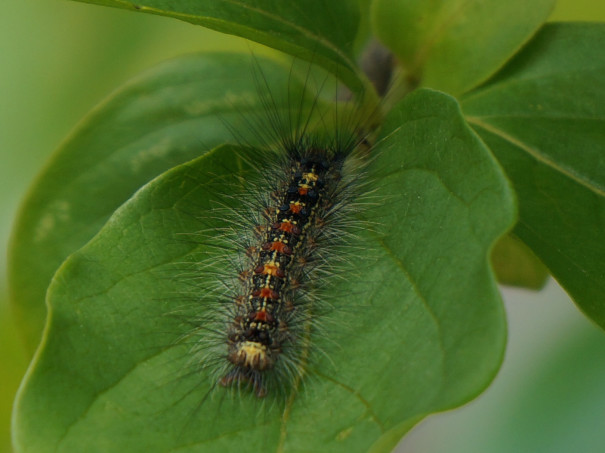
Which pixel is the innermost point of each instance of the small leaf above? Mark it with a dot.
(456, 44)
(544, 118)
(314, 30)
(426, 333)
(169, 115)
(516, 265)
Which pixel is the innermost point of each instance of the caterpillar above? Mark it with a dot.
(274, 260)
(266, 316)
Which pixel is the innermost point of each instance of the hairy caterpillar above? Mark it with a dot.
(270, 267)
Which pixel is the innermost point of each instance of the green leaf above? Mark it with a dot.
(167, 116)
(456, 44)
(316, 30)
(544, 118)
(423, 330)
(516, 265)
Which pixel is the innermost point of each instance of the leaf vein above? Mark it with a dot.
(537, 155)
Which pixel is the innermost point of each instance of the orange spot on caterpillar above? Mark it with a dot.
(295, 207)
(266, 293)
(287, 227)
(270, 269)
(261, 316)
(277, 246)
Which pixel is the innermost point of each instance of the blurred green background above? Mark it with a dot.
(59, 58)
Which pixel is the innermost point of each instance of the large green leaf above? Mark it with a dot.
(544, 118)
(456, 44)
(167, 116)
(422, 330)
(315, 30)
